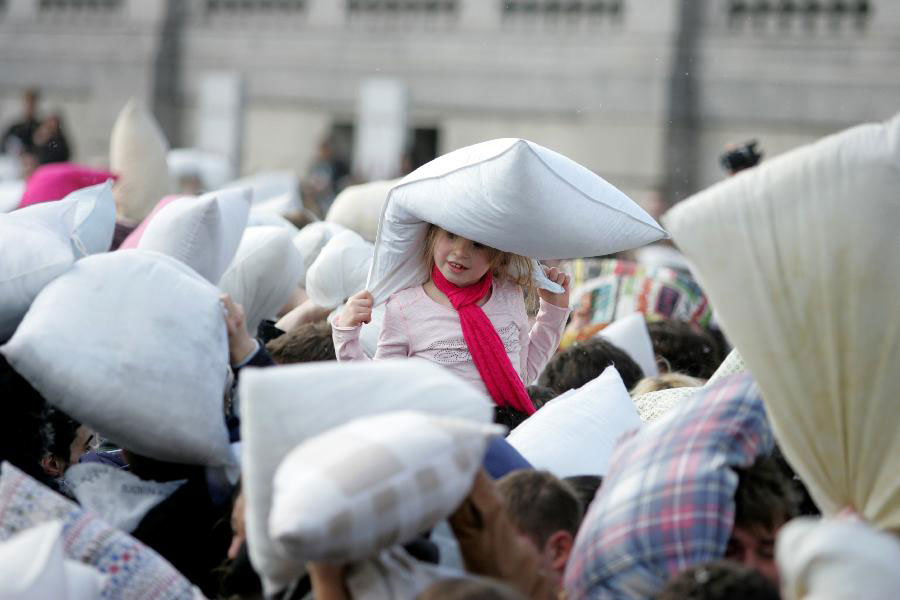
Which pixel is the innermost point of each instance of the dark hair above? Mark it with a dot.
(21, 428)
(686, 348)
(540, 395)
(585, 487)
(59, 432)
(719, 580)
(151, 469)
(539, 504)
(508, 416)
(584, 362)
(765, 496)
(469, 588)
(309, 342)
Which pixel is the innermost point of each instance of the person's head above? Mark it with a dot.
(585, 487)
(464, 262)
(30, 99)
(309, 342)
(685, 348)
(765, 500)
(66, 441)
(719, 580)
(540, 395)
(21, 428)
(469, 588)
(546, 511)
(508, 416)
(666, 381)
(581, 363)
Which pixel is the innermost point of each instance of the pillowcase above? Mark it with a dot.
(10, 194)
(33, 567)
(373, 483)
(800, 256)
(509, 194)
(137, 233)
(340, 270)
(132, 344)
(311, 239)
(86, 217)
(576, 432)
(55, 181)
(211, 169)
(631, 335)
(132, 570)
(265, 272)
(137, 154)
(667, 501)
(359, 207)
(32, 254)
(280, 408)
(203, 233)
(258, 218)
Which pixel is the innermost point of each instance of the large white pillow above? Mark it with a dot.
(311, 239)
(631, 335)
(340, 270)
(11, 194)
(576, 433)
(264, 273)
(137, 154)
(32, 254)
(87, 217)
(358, 207)
(283, 407)
(510, 194)
(373, 483)
(134, 345)
(801, 258)
(203, 233)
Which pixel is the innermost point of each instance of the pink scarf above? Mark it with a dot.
(485, 345)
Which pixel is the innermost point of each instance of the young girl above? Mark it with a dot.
(469, 316)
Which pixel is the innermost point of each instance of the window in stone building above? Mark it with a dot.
(797, 15)
(564, 12)
(403, 13)
(244, 6)
(79, 5)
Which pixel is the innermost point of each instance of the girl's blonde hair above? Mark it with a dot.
(504, 266)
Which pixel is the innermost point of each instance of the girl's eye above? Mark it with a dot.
(451, 236)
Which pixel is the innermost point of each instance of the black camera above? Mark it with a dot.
(737, 159)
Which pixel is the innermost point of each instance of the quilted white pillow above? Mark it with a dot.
(134, 345)
(264, 273)
(358, 207)
(340, 270)
(510, 194)
(137, 154)
(203, 233)
(576, 433)
(373, 483)
(801, 258)
(280, 408)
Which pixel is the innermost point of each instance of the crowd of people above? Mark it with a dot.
(472, 384)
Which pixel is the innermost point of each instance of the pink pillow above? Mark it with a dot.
(55, 181)
(135, 236)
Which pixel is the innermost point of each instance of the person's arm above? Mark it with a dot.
(306, 312)
(393, 339)
(545, 334)
(327, 581)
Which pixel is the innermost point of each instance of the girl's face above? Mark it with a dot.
(461, 261)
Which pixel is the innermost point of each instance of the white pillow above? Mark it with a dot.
(576, 433)
(801, 258)
(270, 185)
(282, 205)
(373, 483)
(11, 194)
(203, 233)
(86, 217)
(213, 170)
(283, 407)
(31, 256)
(631, 335)
(137, 154)
(258, 218)
(132, 344)
(311, 239)
(264, 273)
(510, 194)
(340, 270)
(359, 207)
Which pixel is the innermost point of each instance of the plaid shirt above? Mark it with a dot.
(667, 502)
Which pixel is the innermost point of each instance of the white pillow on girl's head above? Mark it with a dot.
(374, 483)
(203, 233)
(509, 194)
(280, 408)
(137, 154)
(801, 258)
(340, 270)
(631, 335)
(132, 344)
(576, 433)
(358, 207)
(264, 273)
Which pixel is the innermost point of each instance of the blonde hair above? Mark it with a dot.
(504, 266)
(666, 381)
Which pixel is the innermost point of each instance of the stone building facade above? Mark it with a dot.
(644, 92)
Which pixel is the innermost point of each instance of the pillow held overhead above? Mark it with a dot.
(801, 258)
(358, 207)
(152, 354)
(340, 270)
(509, 194)
(137, 154)
(311, 239)
(280, 408)
(203, 233)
